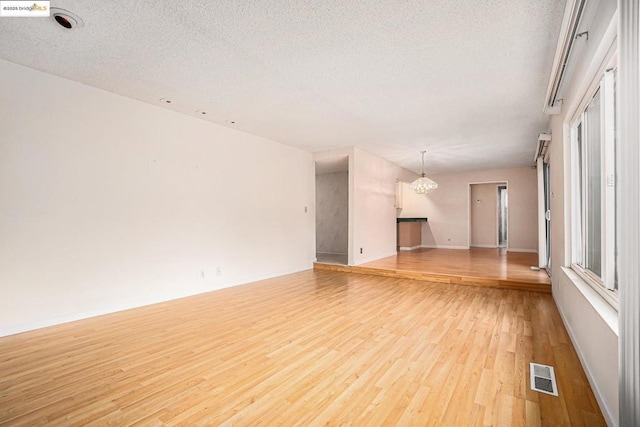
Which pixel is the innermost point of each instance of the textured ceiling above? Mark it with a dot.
(463, 79)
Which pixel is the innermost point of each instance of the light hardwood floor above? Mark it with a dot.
(476, 266)
(312, 348)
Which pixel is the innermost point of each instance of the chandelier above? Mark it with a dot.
(423, 185)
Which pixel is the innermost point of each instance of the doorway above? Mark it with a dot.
(502, 216)
(488, 215)
(332, 211)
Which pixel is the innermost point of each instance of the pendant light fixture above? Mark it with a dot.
(423, 185)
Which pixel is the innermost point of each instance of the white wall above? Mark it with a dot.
(591, 322)
(593, 327)
(447, 208)
(107, 203)
(374, 212)
(332, 212)
(414, 205)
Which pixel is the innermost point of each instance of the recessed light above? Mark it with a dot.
(66, 19)
(165, 101)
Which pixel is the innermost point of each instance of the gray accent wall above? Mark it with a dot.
(332, 212)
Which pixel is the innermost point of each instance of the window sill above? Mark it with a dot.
(596, 284)
(607, 308)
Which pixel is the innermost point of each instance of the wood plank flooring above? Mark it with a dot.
(312, 348)
(476, 266)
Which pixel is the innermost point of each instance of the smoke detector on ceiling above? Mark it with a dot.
(68, 20)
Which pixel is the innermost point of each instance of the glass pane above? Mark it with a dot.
(547, 209)
(615, 168)
(593, 203)
(579, 191)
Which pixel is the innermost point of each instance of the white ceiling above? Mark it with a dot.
(463, 79)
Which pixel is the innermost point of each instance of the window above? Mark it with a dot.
(593, 187)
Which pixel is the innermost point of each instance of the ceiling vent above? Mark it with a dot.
(543, 379)
(66, 19)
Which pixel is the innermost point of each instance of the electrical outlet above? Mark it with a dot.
(218, 271)
(305, 209)
(360, 250)
(202, 274)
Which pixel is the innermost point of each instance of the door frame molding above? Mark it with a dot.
(497, 182)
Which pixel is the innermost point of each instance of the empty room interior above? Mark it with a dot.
(320, 213)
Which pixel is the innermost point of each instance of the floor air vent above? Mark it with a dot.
(543, 379)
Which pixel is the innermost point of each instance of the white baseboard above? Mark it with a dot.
(331, 253)
(535, 251)
(484, 246)
(409, 248)
(606, 411)
(58, 320)
(445, 247)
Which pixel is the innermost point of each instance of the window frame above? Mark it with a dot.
(605, 84)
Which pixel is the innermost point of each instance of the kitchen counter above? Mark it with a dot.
(411, 220)
(409, 233)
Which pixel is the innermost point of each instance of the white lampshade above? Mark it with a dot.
(423, 185)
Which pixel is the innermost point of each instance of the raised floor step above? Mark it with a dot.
(490, 282)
